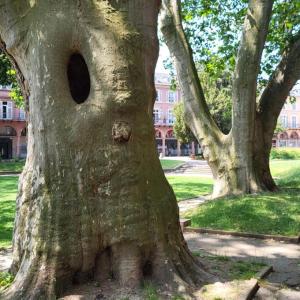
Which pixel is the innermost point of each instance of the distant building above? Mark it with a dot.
(289, 120)
(163, 118)
(13, 133)
(13, 140)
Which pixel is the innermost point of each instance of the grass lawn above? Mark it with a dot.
(13, 166)
(8, 190)
(281, 167)
(170, 163)
(190, 186)
(268, 213)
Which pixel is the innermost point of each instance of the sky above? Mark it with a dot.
(163, 54)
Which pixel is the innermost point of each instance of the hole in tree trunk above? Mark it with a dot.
(147, 269)
(79, 78)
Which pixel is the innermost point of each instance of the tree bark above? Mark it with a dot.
(93, 201)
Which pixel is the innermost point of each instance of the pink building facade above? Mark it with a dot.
(289, 120)
(13, 140)
(163, 118)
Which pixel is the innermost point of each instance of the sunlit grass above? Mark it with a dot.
(8, 190)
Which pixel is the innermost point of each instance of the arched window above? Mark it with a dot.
(7, 131)
(170, 135)
(294, 135)
(158, 134)
(283, 136)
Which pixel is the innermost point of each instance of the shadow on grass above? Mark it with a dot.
(192, 190)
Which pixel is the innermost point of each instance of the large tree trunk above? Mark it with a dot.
(93, 201)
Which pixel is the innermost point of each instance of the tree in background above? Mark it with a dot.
(8, 77)
(240, 159)
(217, 92)
(93, 201)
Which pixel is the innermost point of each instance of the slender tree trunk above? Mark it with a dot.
(93, 201)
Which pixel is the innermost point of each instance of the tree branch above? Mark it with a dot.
(197, 113)
(246, 71)
(280, 84)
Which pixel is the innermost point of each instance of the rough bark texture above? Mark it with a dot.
(93, 201)
(239, 160)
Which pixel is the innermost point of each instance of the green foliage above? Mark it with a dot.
(181, 130)
(217, 94)
(150, 291)
(8, 76)
(244, 270)
(218, 97)
(5, 69)
(285, 153)
(279, 128)
(213, 28)
(5, 280)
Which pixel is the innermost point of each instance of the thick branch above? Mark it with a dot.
(246, 72)
(281, 82)
(197, 114)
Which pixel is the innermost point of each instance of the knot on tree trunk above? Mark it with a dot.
(121, 132)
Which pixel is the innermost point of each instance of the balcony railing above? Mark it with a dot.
(291, 125)
(163, 122)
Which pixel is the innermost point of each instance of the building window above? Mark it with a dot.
(22, 114)
(6, 110)
(170, 134)
(158, 96)
(293, 106)
(171, 97)
(294, 122)
(284, 121)
(171, 118)
(156, 116)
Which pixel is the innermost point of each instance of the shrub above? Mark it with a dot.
(5, 279)
(285, 153)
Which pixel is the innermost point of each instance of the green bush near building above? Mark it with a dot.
(285, 153)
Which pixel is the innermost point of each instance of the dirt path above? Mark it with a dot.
(284, 257)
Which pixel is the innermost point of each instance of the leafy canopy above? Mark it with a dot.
(8, 77)
(214, 27)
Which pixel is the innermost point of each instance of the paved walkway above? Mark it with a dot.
(185, 205)
(192, 167)
(284, 257)
(5, 259)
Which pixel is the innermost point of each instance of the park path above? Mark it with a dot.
(192, 168)
(284, 257)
